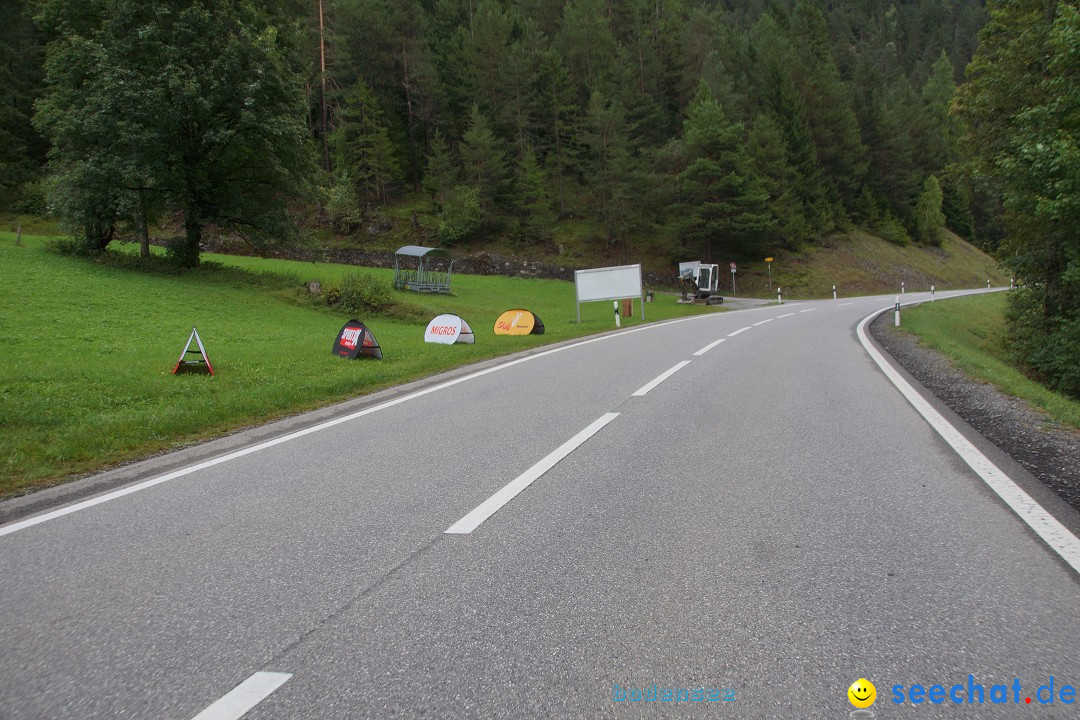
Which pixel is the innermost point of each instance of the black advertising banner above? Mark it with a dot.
(355, 339)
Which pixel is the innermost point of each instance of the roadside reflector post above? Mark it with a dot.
(897, 315)
(833, 292)
(1011, 283)
(779, 297)
(987, 283)
(615, 303)
(931, 293)
(901, 287)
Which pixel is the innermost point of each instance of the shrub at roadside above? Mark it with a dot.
(363, 294)
(1049, 347)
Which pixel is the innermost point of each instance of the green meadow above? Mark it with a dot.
(89, 349)
(971, 331)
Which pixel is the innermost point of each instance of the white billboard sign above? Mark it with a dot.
(610, 283)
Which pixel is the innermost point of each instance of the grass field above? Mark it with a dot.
(89, 349)
(971, 331)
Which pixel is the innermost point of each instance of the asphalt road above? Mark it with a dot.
(768, 524)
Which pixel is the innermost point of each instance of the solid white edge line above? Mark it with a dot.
(244, 696)
(84, 504)
(739, 331)
(709, 347)
(784, 316)
(644, 389)
(493, 504)
(1056, 535)
(763, 322)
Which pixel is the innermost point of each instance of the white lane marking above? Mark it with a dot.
(489, 507)
(843, 304)
(84, 504)
(784, 316)
(1056, 535)
(763, 322)
(244, 696)
(808, 310)
(709, 347)
(739, 331)
(644, 389)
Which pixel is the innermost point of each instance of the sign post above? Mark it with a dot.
(609, 283)
(733, 279)
(769, 260)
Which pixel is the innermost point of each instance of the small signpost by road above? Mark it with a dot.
(769, 261)
(733, 278)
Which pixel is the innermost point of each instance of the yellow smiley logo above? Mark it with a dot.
(862, 693)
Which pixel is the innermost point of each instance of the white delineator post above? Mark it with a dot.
(987, 283)
(1011, 283)
(833, 292)
(779, 297)
(901, 287)
(615, 303)
(931, 293)
(897, 314)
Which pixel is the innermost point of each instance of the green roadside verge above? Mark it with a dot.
(89, 350)
(971, 332)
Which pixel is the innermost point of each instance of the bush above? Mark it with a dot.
(343, 207)
(893, 230)
(179, 251)
(1045, 346)
(461, 216)
(33, 198)
(357, 294)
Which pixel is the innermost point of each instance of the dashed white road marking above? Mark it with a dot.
(709, 347)
(784, 316)
(763, 322)
(739, 331)
(244, 696)
(843, 304)
(489, 507)
(808, 310)
(644, 389)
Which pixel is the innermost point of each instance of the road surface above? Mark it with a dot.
(740, 509)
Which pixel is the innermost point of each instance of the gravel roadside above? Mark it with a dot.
(1046, 449)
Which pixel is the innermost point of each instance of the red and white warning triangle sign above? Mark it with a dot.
(184, 365)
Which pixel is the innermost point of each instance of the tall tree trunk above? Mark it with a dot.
(144, 233)
(413, 153)
(189, 255)
(322, 95)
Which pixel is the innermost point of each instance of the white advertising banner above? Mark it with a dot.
(447, 330)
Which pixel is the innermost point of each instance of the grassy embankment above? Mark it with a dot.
(971, 332)
(89, 349)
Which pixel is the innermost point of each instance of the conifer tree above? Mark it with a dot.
(724, 201)
(362, 144)
(484, 161)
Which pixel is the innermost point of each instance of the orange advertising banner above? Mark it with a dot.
(518, 322)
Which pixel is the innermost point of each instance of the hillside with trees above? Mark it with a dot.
(695, 128)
